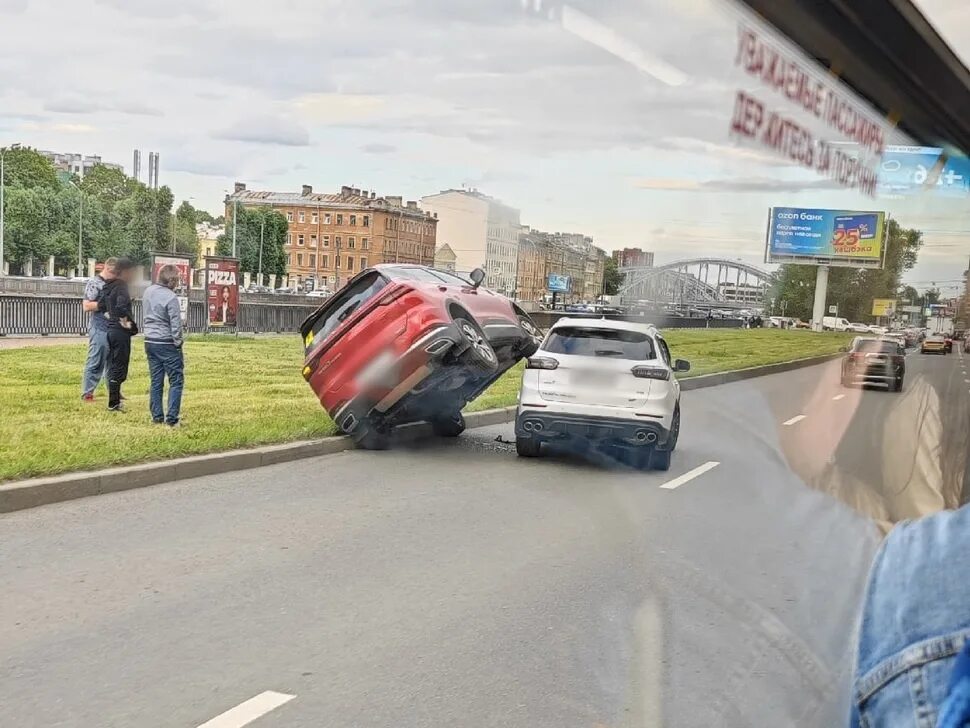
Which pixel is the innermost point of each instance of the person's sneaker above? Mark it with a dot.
(87, 397)
(158, 422)
(118, 408)
(174, 425)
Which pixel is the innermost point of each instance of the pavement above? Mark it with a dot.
(453, 583)
(26, 342)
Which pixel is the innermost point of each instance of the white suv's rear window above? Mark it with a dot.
(612, 343)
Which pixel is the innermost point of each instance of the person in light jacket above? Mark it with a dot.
(164, 335)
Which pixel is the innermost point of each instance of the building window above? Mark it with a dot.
(351, 242)
(363, 243)
(289, 259)
(313, 260)
(314, 218)
(302, 216)
(299, 239)
(350, 263)
(326, 218)
(313, 240)
(353, 219)
(299, 258)
(289, 216)
(340, 219)
(363, 263)
(289, 238)
(336, 241)
(324, 261)
(326, 241)
(366, 220)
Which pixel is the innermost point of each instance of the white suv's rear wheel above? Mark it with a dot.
(527, 447)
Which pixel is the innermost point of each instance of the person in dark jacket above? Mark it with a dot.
(115, 303)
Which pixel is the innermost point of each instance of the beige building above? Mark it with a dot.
(571, 254)
(481, 231)
(444, 258)
(332, 237)
(208, 239)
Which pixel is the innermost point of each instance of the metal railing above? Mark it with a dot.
(56, 315)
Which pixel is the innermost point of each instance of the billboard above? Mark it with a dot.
(828, 237)
(884, 307)
(222, 291)
(184, 265)
(558, 283)
(914, 170)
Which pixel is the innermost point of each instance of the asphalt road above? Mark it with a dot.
(454, 584)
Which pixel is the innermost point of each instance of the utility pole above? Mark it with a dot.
(235, 205)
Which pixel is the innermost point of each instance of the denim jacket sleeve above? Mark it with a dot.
(915, 621)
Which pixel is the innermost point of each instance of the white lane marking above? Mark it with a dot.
(690, 475)
(793, 420)
(246, 713)
(837, 397)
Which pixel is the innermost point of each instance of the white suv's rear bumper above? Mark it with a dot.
(592, 422)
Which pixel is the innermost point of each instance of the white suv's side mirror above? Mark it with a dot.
(681, 365)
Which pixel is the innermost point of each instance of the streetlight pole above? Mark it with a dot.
(80, 229)
(262, 228)
(235, 205)
(2, 170)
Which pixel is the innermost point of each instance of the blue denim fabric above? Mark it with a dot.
(95, 368)
(165, 360)
(915, 622)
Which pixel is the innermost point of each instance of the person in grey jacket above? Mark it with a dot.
(164, 335)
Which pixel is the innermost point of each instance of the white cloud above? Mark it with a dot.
(266, 130)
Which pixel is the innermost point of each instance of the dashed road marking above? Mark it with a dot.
(246, 713)
(793, 420)
(837, 397)
(690, 475)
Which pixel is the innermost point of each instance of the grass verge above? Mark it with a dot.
(243, 392)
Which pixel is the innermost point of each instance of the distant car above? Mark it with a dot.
(934, 344)
(285, 291)
(799, 324)
(319, 293)
(948, 341)
(257, 289)
(857, 328)
(896, 336)
(605, 382)
(835, 323)
(870, 361)
(877, 330)
(408, 343)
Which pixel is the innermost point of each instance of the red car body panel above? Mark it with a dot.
(379, 354)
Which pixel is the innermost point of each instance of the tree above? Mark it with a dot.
(908, 295)
(186, 238)
(931, 296)
(612, 277)
(251, 222)
(25, 167)
(852, 289)
(107, 184)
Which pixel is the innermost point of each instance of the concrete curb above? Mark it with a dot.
(19, 495)
(713, 380)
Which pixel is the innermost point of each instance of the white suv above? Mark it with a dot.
(608, 381)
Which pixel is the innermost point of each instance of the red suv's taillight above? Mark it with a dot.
(644, 372)
(541, 362)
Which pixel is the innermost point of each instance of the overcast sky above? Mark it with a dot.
(609, 118)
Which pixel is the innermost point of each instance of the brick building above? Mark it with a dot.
(570, 254)
(332, 237)
(633, 258)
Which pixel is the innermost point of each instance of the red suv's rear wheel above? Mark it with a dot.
(479, 353)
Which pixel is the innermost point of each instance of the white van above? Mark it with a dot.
(834, 323)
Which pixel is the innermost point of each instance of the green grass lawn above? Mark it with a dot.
(246, 391)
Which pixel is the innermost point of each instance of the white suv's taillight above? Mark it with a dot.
(645, 372)
(541, 362)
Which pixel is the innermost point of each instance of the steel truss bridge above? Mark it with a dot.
(699, 281)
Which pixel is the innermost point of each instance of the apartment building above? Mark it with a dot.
(569, 254)
(79, 164)
(481, 231)
(633, 258)
(332, 237)
(444, 258)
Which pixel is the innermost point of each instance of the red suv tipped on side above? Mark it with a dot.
(408, 343)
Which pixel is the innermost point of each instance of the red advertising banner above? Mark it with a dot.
(184, 265)
(222, 291)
